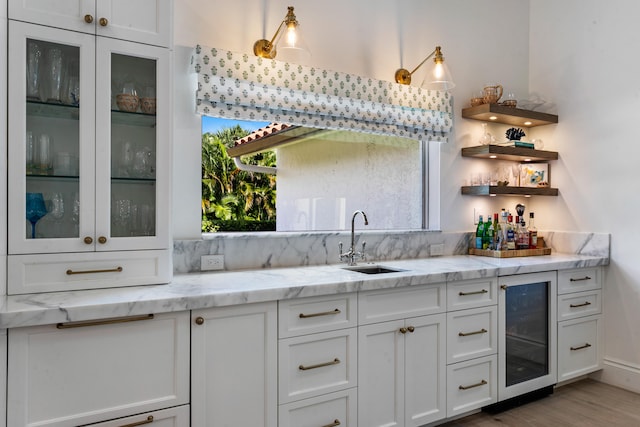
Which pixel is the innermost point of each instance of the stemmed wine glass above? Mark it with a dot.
(36, 209)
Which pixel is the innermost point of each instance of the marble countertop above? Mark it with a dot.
(202, 290)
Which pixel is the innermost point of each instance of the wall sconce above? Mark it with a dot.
(438, 77)
(286, 39)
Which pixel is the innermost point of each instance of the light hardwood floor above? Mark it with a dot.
(586, 403)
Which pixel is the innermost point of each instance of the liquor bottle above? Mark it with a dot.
(479, 231)
(533, 233)
(487, 234)
(523, 235)
(497, 233)
(511, 234)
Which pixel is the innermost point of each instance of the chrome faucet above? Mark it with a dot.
(352, 255)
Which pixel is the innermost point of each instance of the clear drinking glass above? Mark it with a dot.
(54, 63)
(34, 61)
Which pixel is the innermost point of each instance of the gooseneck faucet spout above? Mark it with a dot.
(353, 220)
(352, 255)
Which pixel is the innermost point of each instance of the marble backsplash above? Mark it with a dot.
(279, 250)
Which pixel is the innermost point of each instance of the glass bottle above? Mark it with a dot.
(479, 232)
(523, 235)
(533, 233)
(497, 233)
(487, 233)
(511, 234)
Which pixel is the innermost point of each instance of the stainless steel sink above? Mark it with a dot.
(372, 269)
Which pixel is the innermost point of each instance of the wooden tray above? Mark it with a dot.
(541, 250)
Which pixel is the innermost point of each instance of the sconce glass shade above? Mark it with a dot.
(287, 43)
(438, 77)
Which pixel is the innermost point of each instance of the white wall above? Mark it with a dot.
(582, 57)
(375, 37)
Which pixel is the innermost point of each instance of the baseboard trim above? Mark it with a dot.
(620, 374)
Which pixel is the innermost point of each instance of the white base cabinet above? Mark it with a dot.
(234, 366)
(402, 359)
(87, 372)
(579, 322)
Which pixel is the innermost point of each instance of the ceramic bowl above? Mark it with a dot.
(127, 102)
(148, 105)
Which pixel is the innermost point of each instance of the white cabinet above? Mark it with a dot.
(143, 21)
(402, 361)
(318, 366)
(3, 156)
(234, 366)
(579, 322)
(87, 372)
(95, 172)
(472, 345)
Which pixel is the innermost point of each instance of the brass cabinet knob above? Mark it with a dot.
(102, 240)
(411, 329)
(199, 320)
(403, 330)
(503, 287)
(88, 240)
(103, 22)
(88, 19)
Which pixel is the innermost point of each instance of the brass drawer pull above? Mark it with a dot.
(69, 325)
(587, 345)
(466, 334)
(335, 423)
(464, 294)
(106, 270)
(149, 420)
(324, 313)
(584, 304)
(319, 365)
(580, 279)
(467, 387)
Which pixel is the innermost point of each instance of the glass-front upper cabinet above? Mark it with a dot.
(88, 142)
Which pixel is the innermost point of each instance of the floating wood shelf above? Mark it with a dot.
(501, 152)
(496, 113)
(500, 190)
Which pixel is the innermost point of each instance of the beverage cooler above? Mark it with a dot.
(527, 334)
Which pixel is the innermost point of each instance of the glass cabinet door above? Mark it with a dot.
(50, 134)
(131, 145)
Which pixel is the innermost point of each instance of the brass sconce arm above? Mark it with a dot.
(266, 48)
(403, 76)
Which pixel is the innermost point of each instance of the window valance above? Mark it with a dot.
(246, 87)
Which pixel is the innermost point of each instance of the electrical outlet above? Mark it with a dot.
(211, 262)
(436, 249)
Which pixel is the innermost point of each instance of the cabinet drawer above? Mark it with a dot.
(316, 314)
(172, 417)
(86, 374)
(579, 304)
(315, 364)
(399, 303)
(472, 293)
(579, 347)
(50, 272)
(581, 279)
(471, 333)
(330, 410)
(471, 385)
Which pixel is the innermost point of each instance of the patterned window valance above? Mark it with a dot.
(247, 87)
